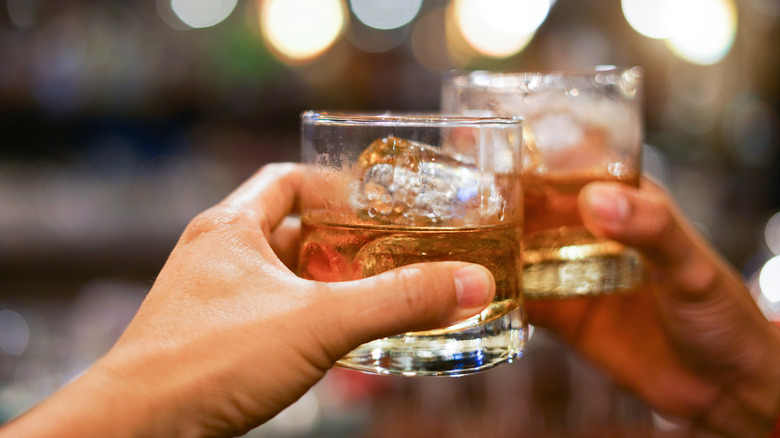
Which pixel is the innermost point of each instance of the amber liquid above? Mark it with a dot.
(561, 258)
(333, 252)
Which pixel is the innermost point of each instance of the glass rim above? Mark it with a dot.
(492, 78)
(389, 118)
(575, 72)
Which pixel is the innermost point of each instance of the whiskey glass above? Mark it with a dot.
(387, 190)
(579, 127)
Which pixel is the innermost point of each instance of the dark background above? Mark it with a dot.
(118, 124)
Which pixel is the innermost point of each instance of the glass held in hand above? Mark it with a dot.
(389, 190)
(578, 128)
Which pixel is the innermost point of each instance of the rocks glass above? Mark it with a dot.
(579, 128)
(387, 190)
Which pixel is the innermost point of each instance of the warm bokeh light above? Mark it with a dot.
(301, 29)
(458, 49)
(699, 31)
(500, 28)
(203, 13)
(707, 32)
(769, 280)
(651, 18)
(381, 14)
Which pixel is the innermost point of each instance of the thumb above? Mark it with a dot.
(415, 297)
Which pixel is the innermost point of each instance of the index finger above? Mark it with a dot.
(272, 193)
(647, 219)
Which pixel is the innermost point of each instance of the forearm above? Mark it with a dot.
(99, 403)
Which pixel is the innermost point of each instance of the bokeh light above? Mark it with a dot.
(769, 280)
(699, 31)
(500, 28)
(203, 13)
(21, 13)
(14, 332)
(299, 30)
(707, 33)
(168, 15)
(381, 14)
(772, 233)
(651, 18)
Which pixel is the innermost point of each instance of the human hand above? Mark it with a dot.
(691, 340)
(228, 336)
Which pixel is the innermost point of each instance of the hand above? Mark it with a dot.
(691, 341)
(228, 336)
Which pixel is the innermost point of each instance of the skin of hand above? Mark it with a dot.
(228, 335)
(691, 340)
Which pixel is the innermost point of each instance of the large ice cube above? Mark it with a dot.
(407, 183)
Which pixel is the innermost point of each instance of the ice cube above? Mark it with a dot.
(557, 131)
(406, 183)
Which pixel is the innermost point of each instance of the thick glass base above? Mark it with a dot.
(579, 270)
(449, 354)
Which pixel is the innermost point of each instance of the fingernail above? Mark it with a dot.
(607, 205)
(472, 286)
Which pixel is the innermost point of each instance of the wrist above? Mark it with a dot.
(104, 401)
(93, 405)
(750, 406)
(148, 393)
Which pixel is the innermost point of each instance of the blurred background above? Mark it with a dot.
(121, 120)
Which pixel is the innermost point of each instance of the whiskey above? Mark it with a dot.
(338, 252)
(561, 258)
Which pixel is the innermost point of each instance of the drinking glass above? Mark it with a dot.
(387, 190)
(578, 128)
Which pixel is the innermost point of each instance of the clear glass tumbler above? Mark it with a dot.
(578, 128)
(387, 190)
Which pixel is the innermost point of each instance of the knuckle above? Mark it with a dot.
(327, 320)
(214, 220)
(662, 224)
(411, 292)
(705, 280)
(277, 169)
